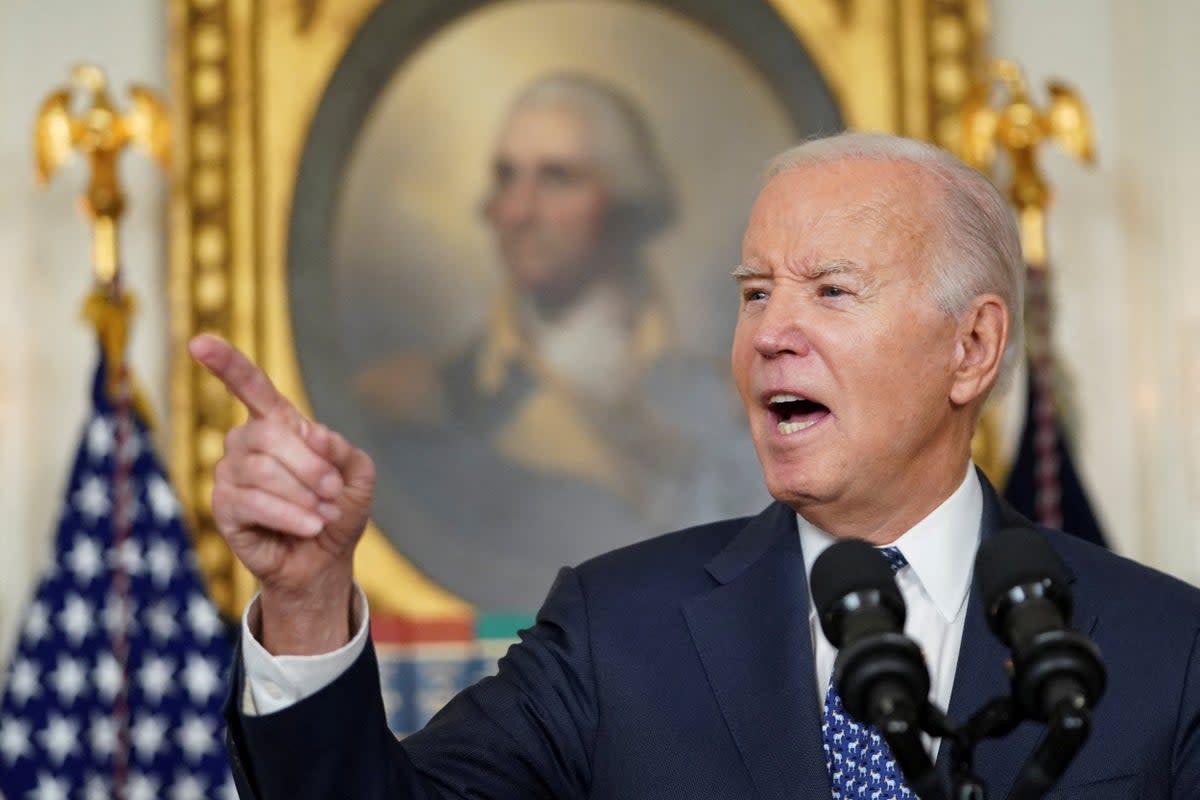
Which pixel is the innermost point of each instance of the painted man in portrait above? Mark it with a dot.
(576, 420)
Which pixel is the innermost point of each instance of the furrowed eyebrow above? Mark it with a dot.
(837, 266)
(744, 273)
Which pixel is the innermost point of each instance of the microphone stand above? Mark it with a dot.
(898, 721)
(994, 720)
(1067, 730)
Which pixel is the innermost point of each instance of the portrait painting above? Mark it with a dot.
(509, 269)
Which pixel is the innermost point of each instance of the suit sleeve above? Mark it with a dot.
(1186, 772)
(526, 732)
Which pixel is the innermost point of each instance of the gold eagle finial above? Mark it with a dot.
(1018, 128)
(99, 133)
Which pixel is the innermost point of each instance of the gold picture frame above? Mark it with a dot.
(249, 77)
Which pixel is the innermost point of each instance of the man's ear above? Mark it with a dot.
(979, 349)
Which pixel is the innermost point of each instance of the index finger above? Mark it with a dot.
(240, 375)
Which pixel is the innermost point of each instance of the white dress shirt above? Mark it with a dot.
(940, 550)
(272, 683)
(936, 583)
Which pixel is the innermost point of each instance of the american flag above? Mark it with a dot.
(1044, 484)
(116, 685)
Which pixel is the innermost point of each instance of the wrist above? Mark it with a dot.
(313, 620)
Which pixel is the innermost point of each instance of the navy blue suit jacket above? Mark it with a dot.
(682, 667)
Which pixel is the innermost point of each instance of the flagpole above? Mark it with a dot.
(100, 134)
(1017, 127)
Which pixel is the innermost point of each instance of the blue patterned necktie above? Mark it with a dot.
(860, 762)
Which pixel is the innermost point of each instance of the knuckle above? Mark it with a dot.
(258, 510)
(315, 471)
(258, 503)
(264, 436)
(222, 508)
(258, 469)
(282, 434)
(235, 438)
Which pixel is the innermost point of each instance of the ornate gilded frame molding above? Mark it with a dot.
(247, 76)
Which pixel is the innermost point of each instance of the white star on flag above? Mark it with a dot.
(37, 623)
(99, 438)
(92, 500)
(76, 619)
(49, 788)
(162, 500)
(187, 787)
(147, 734)
(162, 562)
(69, 680)
(108, 677)
(142, 787)
(203, 618)
(59, 737)
(196, 737)
(25, 681)
(128, 557)
(201, 678)
(116, 616)
(96, 788)
(155, 678)
(14, 739)
(86, 559)
(102, 735)
(160, 619)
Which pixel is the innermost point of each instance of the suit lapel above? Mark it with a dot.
(753, 637)
(981, 674)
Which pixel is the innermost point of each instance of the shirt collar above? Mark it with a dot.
(940, 549)
(506, 344)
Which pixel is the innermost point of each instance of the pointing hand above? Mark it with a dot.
(291, 498)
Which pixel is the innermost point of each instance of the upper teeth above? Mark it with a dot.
(784, 398)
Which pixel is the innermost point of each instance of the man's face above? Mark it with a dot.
(549, 202)
(840, 354)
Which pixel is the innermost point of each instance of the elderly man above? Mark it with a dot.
(580, 419)
(878, 284)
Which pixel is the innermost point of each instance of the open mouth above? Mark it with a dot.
(794, 414)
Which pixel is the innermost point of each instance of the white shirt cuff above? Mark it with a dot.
(273, 683)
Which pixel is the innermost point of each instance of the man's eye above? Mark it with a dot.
(503, 174)
(750, 295)
(560, 175)
(832, 291)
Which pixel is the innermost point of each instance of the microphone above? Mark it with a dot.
(879, 673)
(1057, 674)
(1028, 602)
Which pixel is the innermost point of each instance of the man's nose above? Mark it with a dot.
(515, 204)
(783, 327)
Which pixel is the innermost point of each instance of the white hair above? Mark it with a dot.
(623, 144)
(980, 250)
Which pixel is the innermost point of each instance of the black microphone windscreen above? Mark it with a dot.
(851, 565)
(1015, 556)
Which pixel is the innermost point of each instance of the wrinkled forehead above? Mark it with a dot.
(881, 207)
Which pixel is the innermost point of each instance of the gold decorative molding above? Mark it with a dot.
(248, 76)
(203, 238)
